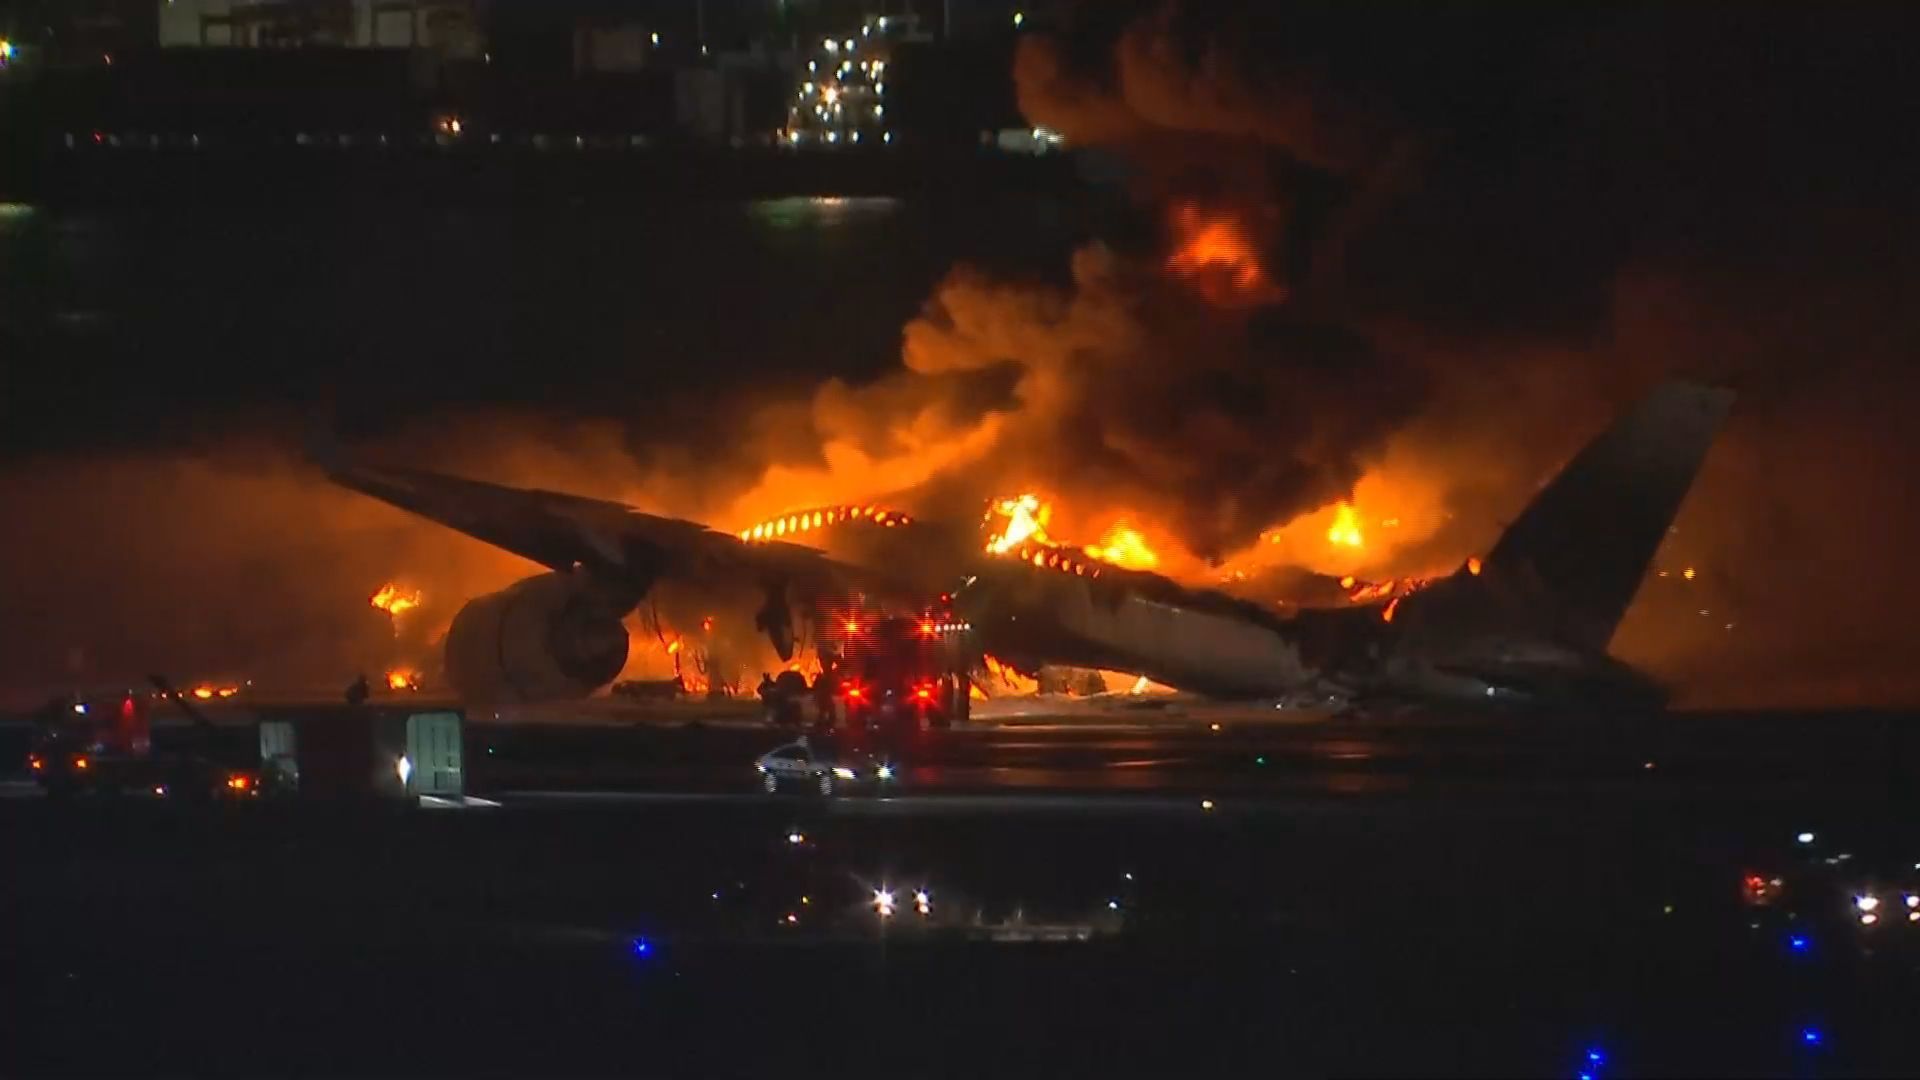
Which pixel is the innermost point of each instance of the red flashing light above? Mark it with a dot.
(853, 692)
(239, 782)
(35, 763)
(853, 627)
(81, 763)
(923, 694)
(926, 628)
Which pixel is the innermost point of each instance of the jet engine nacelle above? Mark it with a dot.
(553, 637)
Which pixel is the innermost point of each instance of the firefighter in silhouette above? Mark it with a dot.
(782, 707)
(826, 685)
(358, 691)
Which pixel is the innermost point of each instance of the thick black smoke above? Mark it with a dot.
(1539, 211)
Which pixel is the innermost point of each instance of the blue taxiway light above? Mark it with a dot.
(641, 946)
(1811, 1036)
(1799, 943)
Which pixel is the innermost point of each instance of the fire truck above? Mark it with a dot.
(104, 746)
(882, 672)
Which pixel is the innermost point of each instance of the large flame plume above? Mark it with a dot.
(1124, 546)
(1017, 520)
(1345, 530)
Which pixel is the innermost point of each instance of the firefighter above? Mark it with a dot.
(826, 684)
(781, 707)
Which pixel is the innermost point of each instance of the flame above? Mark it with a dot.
(1008, 678)
(1386, 614)
(208, 691)
(1125, 546)
(1139, 686)
(806, 520)
(1473, 565)
(1345, 531)
(394, 600)
(1214, 249)
(1026, 519)
(1688, 573)
(403, 679)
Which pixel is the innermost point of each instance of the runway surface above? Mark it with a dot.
(1455, 897)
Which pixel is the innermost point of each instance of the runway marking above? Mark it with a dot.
(881, 805)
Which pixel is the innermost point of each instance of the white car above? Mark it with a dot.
(806, 767)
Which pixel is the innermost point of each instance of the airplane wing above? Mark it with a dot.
(618, 544)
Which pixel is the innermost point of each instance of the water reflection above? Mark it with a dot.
(812, 211)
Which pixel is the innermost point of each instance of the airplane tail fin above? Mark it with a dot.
(1581, 547)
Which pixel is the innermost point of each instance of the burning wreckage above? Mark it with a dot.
(1528, 623)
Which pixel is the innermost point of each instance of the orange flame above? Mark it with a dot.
(403, 679)
(1345, 531)
(1473, 565)
(1393, 605)
(1215, 250)
(1125, 546)
(1025, 517)
(394, 600)
(1009, 679)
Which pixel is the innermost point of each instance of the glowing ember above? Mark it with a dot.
(1125, 547)
(403, 679)
(1025, 519)
(1214, 249)
(394, 600)
(1345, 531)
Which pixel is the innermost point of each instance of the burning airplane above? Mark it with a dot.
(1529, 622)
